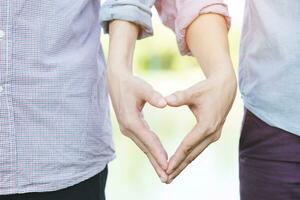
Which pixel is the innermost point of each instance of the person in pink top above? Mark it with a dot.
(269, 72)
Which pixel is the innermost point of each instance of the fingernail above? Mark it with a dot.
(162, 102)
(163, 179)
(172, 98)
(170, 181)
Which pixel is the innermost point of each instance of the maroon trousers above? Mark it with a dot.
(269, 162)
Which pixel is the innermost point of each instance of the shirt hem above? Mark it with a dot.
(92, 172)
(269, 121)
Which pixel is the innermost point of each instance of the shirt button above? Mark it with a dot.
(1, 88)
(2, 34)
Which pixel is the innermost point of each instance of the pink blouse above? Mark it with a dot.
(179, 14)
(175, 14)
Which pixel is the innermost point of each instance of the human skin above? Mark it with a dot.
(209, 100)
(129, 94)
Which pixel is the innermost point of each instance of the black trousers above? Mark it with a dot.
(91, 189)
(269, 162)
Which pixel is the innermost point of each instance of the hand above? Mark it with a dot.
(129, 95)
(210, 102)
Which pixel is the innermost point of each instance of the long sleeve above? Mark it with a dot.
(136, 11)
(179, 14)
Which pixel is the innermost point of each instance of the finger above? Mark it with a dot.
(194, 137)
(178, 98)
(153, 97)
(151, 142)
(159, 171)
(190, 158)
(154, 146)
(185, 97)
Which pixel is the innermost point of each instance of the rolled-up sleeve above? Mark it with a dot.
(179, 14)
(136, 11)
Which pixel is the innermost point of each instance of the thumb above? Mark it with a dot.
(178, 98)
(154, 98)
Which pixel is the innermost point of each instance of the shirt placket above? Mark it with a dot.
(8, 165)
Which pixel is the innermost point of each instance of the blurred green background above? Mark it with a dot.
(214, 174)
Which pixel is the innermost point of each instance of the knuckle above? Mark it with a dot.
(125, 126)
(189, 160)
(210, 129)
(187, 149)
(153, 96)
(194, 95)
(180, 94)
(216, 137)
(207, 133)
(124, 131)
(146, 152)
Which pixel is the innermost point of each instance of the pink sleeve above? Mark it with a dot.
(179, 14)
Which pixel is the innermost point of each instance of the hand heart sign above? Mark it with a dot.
(209, 100)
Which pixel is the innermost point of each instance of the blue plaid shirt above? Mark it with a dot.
(55, 128)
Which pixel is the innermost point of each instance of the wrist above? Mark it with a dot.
(222, 68)
(117, 73)
(225, 75)
(119, 66)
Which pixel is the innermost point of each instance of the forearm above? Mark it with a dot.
(129, 94)
(207, 38)
(123, 36)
